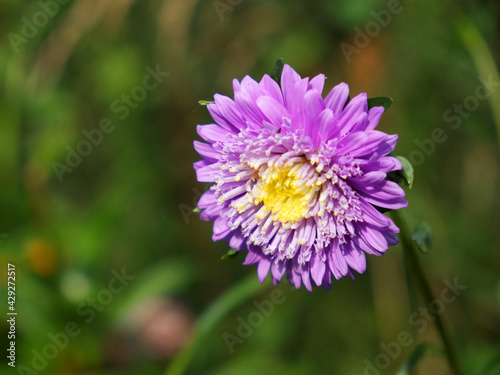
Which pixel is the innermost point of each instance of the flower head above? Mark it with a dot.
(297, 178)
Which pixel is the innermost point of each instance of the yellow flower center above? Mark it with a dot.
(282, 194)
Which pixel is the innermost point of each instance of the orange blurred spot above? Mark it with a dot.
(367, 70)
(41, 256)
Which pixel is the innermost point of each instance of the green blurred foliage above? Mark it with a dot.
(127, 204)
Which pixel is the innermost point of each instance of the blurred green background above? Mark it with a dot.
(129, 74)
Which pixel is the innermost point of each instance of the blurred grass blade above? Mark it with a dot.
(484, 61)
(416, 356)
(380, 101)
(422, 237)
(231, 299)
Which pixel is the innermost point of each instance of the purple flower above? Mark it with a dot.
(297, 178)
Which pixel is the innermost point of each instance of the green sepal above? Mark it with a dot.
(380, 101)
(277, 69)
(205, 102)
(404, 175)
(230, 254)
(196, 210)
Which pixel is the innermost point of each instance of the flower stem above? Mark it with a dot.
(418, 273)
(216, 312)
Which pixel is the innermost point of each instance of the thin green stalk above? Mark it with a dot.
(231, 299)
(418, 273)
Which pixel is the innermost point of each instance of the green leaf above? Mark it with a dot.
(416, 356)
(277, 69)
(230, 254)
(422, 236)
(404, 175)
(205, 102)
(380, 101)
(407, 170)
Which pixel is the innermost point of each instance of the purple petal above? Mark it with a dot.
(368, 182)
(206, 150)
(360, 243)
(384, 164)
(323, 125)
(225, 113)
(288, 79)
(263, 269)
(356, 107)
(336, 99)
(252, 256)
(278, 270)
(237, 241)
(272, 88)
(272, 110)
(318, 268)
(306, 281)
(362, 143)
(318, 83)
(221, 228)
(327, 281)
(211, 212)
(373, 237)
(207, 199)
(375, 218)
(296, 104)
(391, 238)
(393, 204)
(374, 115)
(294, 278)
(356, 259)
(385, 147)
(213, 133)
(236, 86)
(206, 174)
(248, 109)
(313, 106)
(382, 190)
(337, 263)
(200, 164)
(359, 122)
